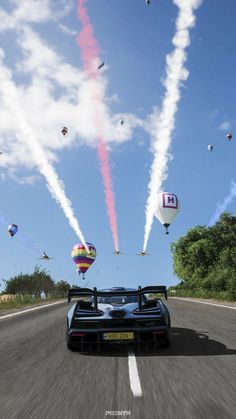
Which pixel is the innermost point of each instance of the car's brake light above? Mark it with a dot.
(153, 311)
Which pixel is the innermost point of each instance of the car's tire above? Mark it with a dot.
(71, 347)
(68, 342)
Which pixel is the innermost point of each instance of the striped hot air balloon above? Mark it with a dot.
(82, 258)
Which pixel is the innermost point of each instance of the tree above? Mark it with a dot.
(206, 256)
(39, 281)
(61, 288)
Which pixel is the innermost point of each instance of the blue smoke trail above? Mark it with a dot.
(27, 241)
(220, 208)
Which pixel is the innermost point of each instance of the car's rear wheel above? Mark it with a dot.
(70, 347)
(68, 343)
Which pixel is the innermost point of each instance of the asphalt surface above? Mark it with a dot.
(194, 378)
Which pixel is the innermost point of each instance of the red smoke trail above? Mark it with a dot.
(105, 169)
(90, 52)
(86, 40)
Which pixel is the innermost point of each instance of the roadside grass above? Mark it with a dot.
(9, 301)
(214, 295)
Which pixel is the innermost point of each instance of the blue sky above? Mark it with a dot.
(50, 90)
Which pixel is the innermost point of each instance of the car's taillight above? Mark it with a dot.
(153, 311)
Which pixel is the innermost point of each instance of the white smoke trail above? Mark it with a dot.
(175, 74)
(26, 136)
(220, 208)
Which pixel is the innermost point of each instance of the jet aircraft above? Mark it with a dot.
(117, 253)
(45, 256)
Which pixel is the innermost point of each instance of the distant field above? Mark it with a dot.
(8, 301)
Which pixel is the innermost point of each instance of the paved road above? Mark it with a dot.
(193, 379)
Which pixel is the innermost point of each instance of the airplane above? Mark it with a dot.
(45, 256)
(101, 65)
(142, 253)
(117, 253)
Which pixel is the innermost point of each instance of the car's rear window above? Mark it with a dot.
(125, 299)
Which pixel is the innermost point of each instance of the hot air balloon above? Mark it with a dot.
(167, 208)
(229, 136)
(82, 258)
(122, 122)
(64, 130)
(210, 147)
(12, 229)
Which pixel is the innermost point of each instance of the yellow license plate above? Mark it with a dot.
(118, 336)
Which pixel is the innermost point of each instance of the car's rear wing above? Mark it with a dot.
(79, 292)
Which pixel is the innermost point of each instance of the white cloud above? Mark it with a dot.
(43, 92)
(226, 125)
(67, 30)
(28, 140)
(56, 94)
(33, 11)
(22, 180)
(113, 99)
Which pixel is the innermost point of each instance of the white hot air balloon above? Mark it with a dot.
(210, 147)
(167, 208)
(122, 122)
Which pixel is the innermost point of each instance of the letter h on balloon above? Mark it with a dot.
(170, 201)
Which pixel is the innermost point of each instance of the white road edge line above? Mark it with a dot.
(202, 302)
(133, 375)
(30, 309)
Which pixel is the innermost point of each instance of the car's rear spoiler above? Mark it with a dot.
(79, 292)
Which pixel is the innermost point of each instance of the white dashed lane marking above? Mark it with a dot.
(133, 375)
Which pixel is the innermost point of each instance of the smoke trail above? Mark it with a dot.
(54, 184)
(175, 74)
(220, 208)
(90, 52)
(21, 236)
(86, 40)
(3, 220)
(103, 156)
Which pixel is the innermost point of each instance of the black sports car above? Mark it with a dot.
(117, 315)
